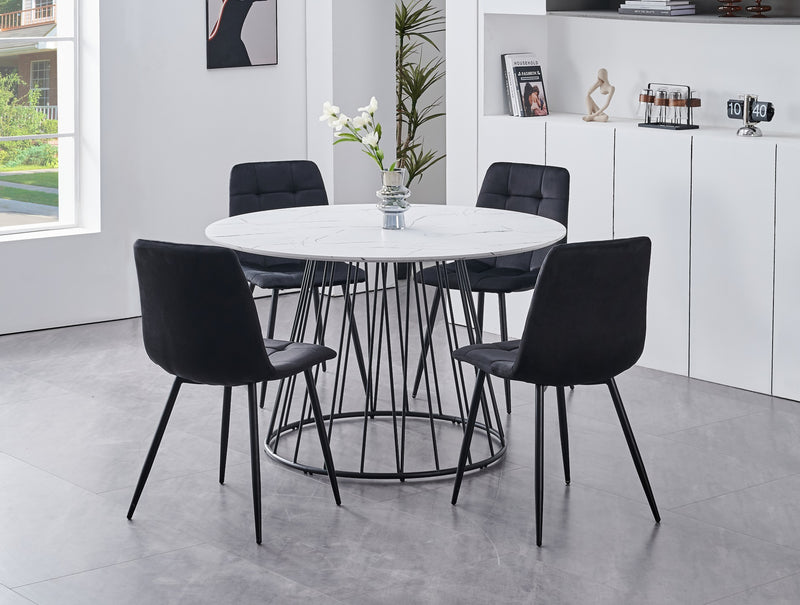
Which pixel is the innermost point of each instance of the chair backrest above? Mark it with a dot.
(542, 190)
(257, 186)
(588, 315)
(199, 321)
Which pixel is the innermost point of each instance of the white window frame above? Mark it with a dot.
(69, 154)
(33, 80)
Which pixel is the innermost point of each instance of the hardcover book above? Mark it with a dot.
(668, 12)
(530, 87)
(519, 70)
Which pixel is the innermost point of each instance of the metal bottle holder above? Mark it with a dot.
(668, 106)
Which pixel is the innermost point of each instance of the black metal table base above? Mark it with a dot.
(387, 317)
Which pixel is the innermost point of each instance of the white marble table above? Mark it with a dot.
(353, 234)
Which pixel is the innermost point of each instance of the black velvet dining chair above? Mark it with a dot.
(200, 324)
(586, 325)
(257, 186)
(529, 188)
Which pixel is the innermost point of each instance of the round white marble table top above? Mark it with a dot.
(353, 232)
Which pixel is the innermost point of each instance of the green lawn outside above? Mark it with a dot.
(23, 195)
(42, 179)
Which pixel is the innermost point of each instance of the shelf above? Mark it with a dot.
(705, 130)
(703, 18)
(513, 7)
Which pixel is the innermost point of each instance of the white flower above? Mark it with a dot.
(371, 139)
(329, 112)
(362, 120)
(371, 108)
(340, 122)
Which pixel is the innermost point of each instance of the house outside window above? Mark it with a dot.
(38, 150)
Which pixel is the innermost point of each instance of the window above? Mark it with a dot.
(38, 67)
(40, 81)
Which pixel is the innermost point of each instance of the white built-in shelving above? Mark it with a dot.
(721, 209)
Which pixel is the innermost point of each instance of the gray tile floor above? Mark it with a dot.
(78, 407)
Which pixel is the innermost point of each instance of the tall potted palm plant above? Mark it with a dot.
(416, 21)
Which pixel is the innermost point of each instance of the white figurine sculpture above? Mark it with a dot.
(596, 113)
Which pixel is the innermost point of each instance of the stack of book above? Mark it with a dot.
(524, 85)
(665, 8)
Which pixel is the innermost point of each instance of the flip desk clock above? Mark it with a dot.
(751, 111)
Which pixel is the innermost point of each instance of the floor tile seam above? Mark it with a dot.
(759, 413)
(696, 426)
(734, 491)
(740, 533)
(223, 547)
(152, 480)
(741, 592)
(62, 360)
(116, 563)
(88, 492)
(22, 596)
(726, 453)
(666, 434)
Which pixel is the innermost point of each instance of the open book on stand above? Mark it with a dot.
(524, 85)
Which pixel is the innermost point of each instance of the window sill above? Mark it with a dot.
(45, 233)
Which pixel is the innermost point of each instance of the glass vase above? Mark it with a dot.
(393, 198)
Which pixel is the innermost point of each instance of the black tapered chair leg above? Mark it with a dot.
(151, 454)
(273, 317)
(317, 305)
(273, 313)
(426, 342)
(480, 311)
(539, 462)
(564, 433)
(255, 456)
(362, 367)
(224, 431)
(634, 449)
(323, 435)
(474, 404)
(501, 300)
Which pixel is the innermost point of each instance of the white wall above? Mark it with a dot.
(363, 67)
(171, 130)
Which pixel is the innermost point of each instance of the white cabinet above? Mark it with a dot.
(508, 139)
(733, 220)
(587, 151)
(721, 210)
(786, 340)
(652, 197)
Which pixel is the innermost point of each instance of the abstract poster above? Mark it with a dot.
(241, 33)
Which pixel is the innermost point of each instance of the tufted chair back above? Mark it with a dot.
(542, 190)
(257, 186)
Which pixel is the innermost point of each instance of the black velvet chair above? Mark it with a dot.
(530, 188)
(257, 186)
(200, 324)
(586, 325)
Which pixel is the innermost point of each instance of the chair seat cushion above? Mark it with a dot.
(484, 277)
(289, 358)
(288, 273)
(496, 358)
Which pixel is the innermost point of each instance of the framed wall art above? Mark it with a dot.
(240, 33)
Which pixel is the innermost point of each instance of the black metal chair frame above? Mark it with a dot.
(489, 198)
(163, 351)
(307, 193)
(506, 360)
